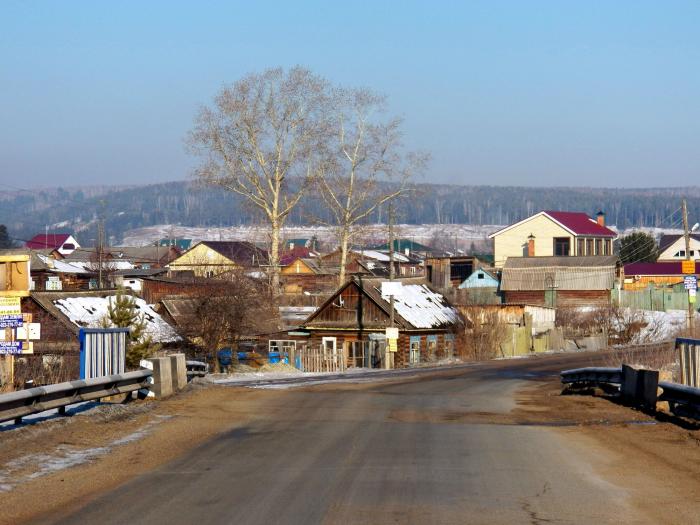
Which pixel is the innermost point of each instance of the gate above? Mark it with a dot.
(321, 359)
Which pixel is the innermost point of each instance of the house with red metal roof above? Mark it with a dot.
(553, 233)
(63, 243)
(641, 275)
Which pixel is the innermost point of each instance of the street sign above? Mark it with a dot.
(11, 321)
(688, 267)
(690, 282)
(10, 306)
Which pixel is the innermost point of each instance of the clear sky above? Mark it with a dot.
(528, 93)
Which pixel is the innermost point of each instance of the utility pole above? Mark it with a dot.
(686, 233)
(100, 249)
(392, 272)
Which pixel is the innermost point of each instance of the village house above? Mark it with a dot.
(560, 281)
(672, 248)
(449, 271)
(308, 275)
(553, 233)
(51, 272)
(352, 324)
(212, 258)
(63, 243)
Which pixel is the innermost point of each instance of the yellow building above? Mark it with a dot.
(212, 258)
(553, 233)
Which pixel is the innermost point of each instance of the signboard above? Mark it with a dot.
(28, 331)
(10, 306)
(10, 347)
(692, 294)
(690, 282)
(392, 345)
(688, 267)
(11, 321)
(392, 333)
(394, 288)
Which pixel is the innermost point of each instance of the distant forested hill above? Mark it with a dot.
(124, 208)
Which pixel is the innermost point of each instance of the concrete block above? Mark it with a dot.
(162, 376)
(628, 387)
(639, 387)
(178, 368)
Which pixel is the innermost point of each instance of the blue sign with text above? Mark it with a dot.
(10, 347)
(11, 321)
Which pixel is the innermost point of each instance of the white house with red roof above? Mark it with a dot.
(553, 233)
(63, 243)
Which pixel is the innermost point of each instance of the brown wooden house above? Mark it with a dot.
(560, 281)
(354, 319)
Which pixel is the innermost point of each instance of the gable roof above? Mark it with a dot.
(667, 240)
(242, 253)
(50, 240)
(418, 307)
(576, 223)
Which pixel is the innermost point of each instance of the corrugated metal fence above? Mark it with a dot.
(102, 351)
(658, 299)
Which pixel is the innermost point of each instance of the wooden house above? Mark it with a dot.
(553, 234)
(449, 271)
(305, 274)
(212, 258)
(559, 281)
(481, 278)
(352, 323)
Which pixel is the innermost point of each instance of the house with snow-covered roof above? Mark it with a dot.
(353, 321)
(553, 234)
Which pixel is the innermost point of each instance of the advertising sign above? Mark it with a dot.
(690, 282)
(10, 347)
(11, 321)
(10, 306)
(392, 333)
(392, 345)
(688, 267)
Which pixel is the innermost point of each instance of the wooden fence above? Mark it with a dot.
(321, 360)
(689, 350)
(658, 299)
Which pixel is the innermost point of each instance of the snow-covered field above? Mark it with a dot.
(418, 232)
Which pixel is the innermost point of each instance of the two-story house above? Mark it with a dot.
(553, 233)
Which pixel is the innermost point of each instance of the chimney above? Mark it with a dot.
(530, 245)
(600, 217)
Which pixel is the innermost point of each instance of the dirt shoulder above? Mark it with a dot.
(655, 458)
(108, 446)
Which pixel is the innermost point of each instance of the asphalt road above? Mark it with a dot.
(429, 449)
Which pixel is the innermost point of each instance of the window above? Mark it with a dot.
(581, 247)
(680, 253)
(562, 246)
(460, 271)
(449, 345)
(432, 347)
(599, 246)
(479, 275)
(589, 246)
(606, 247)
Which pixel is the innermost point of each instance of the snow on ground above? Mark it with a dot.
(89, 312)
(34, 466)
(660, 326)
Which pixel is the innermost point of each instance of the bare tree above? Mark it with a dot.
(365, 165)
(263, 130)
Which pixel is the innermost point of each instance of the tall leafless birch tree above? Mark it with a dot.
(366, 166)
(262, 131)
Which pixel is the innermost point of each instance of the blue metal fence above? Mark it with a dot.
(102, 351)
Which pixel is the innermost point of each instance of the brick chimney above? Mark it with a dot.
(600, 217)
(530, 245)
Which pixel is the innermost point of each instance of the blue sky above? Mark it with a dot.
(508, 93)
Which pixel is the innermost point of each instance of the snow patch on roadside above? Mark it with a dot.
(33, 466)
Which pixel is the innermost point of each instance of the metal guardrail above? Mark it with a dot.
(196, 369)
(16, 405)
(592, 376)
(682, 400)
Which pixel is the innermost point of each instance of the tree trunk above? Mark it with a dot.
(344, 241)
(275, 257)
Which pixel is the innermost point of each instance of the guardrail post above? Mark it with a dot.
(628, 387)
(639, 387)
(178, 368)
(162, 376)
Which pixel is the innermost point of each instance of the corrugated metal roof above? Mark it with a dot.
(557, 278)
(580, 223)
(593, 261)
